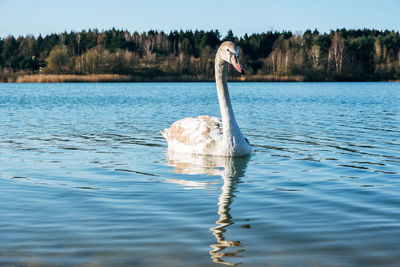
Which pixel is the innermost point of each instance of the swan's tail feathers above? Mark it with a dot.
(165, 133)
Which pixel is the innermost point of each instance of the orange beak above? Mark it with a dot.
(237, 65)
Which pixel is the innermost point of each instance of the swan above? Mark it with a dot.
(206, 135)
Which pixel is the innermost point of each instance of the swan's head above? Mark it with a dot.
(229, 52)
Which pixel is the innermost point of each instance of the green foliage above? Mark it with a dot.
(229, 36)
(10, 52)
(323, 41)
(355, 54)
(59, 60)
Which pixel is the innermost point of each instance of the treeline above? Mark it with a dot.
(340, 55)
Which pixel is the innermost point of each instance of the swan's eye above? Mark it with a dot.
(227, 49)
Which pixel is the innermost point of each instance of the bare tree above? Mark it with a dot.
(315, 56)
(338, 50)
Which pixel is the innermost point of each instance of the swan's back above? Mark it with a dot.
(200, 135)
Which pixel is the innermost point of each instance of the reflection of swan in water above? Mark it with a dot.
(230, 169)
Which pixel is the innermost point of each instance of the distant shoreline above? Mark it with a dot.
(354, 55)
(103, 78)
(98, 78)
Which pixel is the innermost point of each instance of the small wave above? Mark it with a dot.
(137, 172)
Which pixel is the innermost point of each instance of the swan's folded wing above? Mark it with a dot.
(202, 130)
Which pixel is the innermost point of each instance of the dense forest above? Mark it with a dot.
(340, 55)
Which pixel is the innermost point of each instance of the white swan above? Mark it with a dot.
(206, 135)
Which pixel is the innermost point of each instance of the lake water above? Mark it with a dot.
(85, 178)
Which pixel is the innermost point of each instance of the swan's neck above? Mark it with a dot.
(231, 130)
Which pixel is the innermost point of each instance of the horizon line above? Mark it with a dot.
(294, 32)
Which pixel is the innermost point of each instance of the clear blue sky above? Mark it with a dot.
(21, 17)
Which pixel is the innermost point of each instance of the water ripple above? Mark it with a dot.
(85, 178)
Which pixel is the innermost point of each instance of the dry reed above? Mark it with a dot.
(65, 78)
(94, 78)
(268, 78)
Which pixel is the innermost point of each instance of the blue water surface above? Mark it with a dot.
(85, 178)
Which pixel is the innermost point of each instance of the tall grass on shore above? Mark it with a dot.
(269, 78)
(65, 78)
(95, 78)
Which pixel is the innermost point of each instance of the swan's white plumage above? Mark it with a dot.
(200, 135)
(206, 135)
